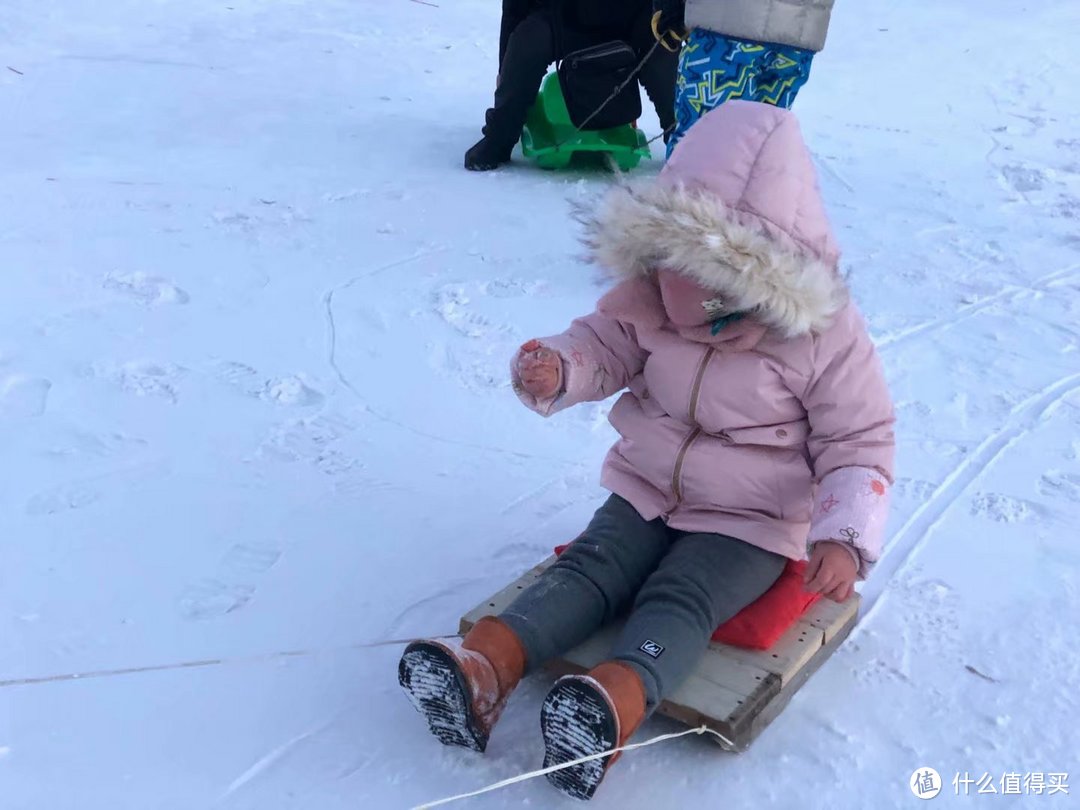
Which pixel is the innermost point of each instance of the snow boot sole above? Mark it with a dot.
(437, 689)
(577, 721)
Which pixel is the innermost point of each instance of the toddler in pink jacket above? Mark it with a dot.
(755, 427)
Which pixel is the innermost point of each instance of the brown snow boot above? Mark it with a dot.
(462, 687)
(588, 714)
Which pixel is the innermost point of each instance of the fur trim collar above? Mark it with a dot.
(638, 230)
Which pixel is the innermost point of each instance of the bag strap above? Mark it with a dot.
(555, 8)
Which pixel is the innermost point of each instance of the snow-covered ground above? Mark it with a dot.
(254, 329)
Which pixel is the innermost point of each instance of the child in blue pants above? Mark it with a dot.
(757, 50)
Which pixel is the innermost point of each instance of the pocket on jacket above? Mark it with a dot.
(645, 400)
(788, 435)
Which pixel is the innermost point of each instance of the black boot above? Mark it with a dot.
(529, 49)
(485, 156)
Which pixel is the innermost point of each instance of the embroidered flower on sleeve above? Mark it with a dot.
(874, 486)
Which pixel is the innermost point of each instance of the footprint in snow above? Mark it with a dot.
(452, 305)
(476, 374)
(60, 499)
(78, 443)
(292, 390)
(511, 288)
(22, 395)
(245, 559)
(1056, 483)
(234, 583)
(312, 441)
(1002, 508)
(275, 219)
(142, 378)
(240, 377)
(145, 289)
(914, 489)
(1024, 178)
(211, 598)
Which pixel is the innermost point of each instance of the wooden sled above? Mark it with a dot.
(734, 691)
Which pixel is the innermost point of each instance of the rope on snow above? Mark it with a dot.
(210, 662)
(728, 744)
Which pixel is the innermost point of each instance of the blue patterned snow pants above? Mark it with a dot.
(714, 68)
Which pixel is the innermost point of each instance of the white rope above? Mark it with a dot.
(544, 771)
(210, 662)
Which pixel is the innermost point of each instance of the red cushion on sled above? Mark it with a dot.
(761, 623)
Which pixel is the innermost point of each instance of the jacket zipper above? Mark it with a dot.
(598, 54)
(695, 395)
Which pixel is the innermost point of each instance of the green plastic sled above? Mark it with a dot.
(549, 137)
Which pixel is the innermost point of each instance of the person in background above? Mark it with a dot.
(756, 50)
(531, 36)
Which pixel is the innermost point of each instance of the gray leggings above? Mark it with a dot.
(682, 585)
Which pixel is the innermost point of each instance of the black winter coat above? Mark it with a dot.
(609, 19)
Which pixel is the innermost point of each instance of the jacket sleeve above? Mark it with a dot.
(600, 356)
(851, 442)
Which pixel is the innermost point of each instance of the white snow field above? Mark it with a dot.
(255, 325)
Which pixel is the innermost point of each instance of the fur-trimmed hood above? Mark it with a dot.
(737, 208)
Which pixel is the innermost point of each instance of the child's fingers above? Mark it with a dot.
(534, 348)
(541, 381)
(538, 386)
(827, 577)
(539, 373)
(542, 358)
(539, 370)
(840, 592)
(527, 351)
(536, 368)
(541, 390)
(824, 580)
(812, 567)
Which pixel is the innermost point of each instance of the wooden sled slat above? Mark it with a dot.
(829, 616)
(735, 691)
(498, 602)
(786, 657)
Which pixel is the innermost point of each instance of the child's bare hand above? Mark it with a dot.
(540, 370)
(831, 571)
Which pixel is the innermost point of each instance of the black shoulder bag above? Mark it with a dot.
(589, 78)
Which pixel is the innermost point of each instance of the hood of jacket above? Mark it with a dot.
(737, 208)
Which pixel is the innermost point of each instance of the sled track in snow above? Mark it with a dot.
(328, 302)
(1041, 285)
(331, 356)
(263, 763)
(912, 536)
